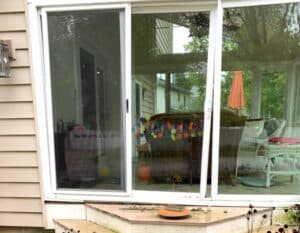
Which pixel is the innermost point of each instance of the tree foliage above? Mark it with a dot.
(254, 37)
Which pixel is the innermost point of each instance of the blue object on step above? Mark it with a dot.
(253, 181)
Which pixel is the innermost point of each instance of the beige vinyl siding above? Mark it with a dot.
(21, 175)
(17, 127)
(13, 190)
(21, 219)
(18, 159)
(19, 38)
(20, 76)
(16, 110)
(12, 6)
(12, 22)
(20, 195)
(22, 59)
(9, 93)
(32, 205)
(17, 143)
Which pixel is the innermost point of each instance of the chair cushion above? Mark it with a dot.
(284, 140)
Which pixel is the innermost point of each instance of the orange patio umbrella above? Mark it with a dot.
(236, 98)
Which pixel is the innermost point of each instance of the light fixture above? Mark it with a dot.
(4, 59)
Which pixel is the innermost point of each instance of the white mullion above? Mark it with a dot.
(128, 97)
(48, 101)
(208, 105)
(217, 101)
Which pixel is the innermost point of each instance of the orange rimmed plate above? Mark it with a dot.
(174, 212)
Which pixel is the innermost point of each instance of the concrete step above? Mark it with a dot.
(145, 219)
(79, 226)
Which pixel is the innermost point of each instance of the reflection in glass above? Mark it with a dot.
(259, 143)
(86, 96)
(169, 63)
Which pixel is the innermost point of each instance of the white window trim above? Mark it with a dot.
(214, 58)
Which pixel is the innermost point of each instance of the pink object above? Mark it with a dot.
(179, 136)
(180, 127)
(79, 129)
(284, 140)
(186, 135)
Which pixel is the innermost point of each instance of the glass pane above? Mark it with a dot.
(260, 127)
(169, 62)
(86, 84)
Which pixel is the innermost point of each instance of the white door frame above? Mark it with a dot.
(42, 88)
(40, 57)
(213, 72)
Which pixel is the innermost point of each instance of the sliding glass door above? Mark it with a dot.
(87, 83)
(110, 129)
(169, 61)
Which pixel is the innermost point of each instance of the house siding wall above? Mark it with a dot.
(147, 104)
(20, 195)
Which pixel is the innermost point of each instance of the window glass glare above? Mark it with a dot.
(169, 61)
(86, 83)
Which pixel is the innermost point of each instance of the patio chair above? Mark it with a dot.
(282, 155)
(281, 159)
(252, 162)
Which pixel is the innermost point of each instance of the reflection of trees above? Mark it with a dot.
(273, 94)
(193, 83)
(260, 35)
(266, 33)
(64, 25)
(269, 31)
(264, 38)
(193, 80)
